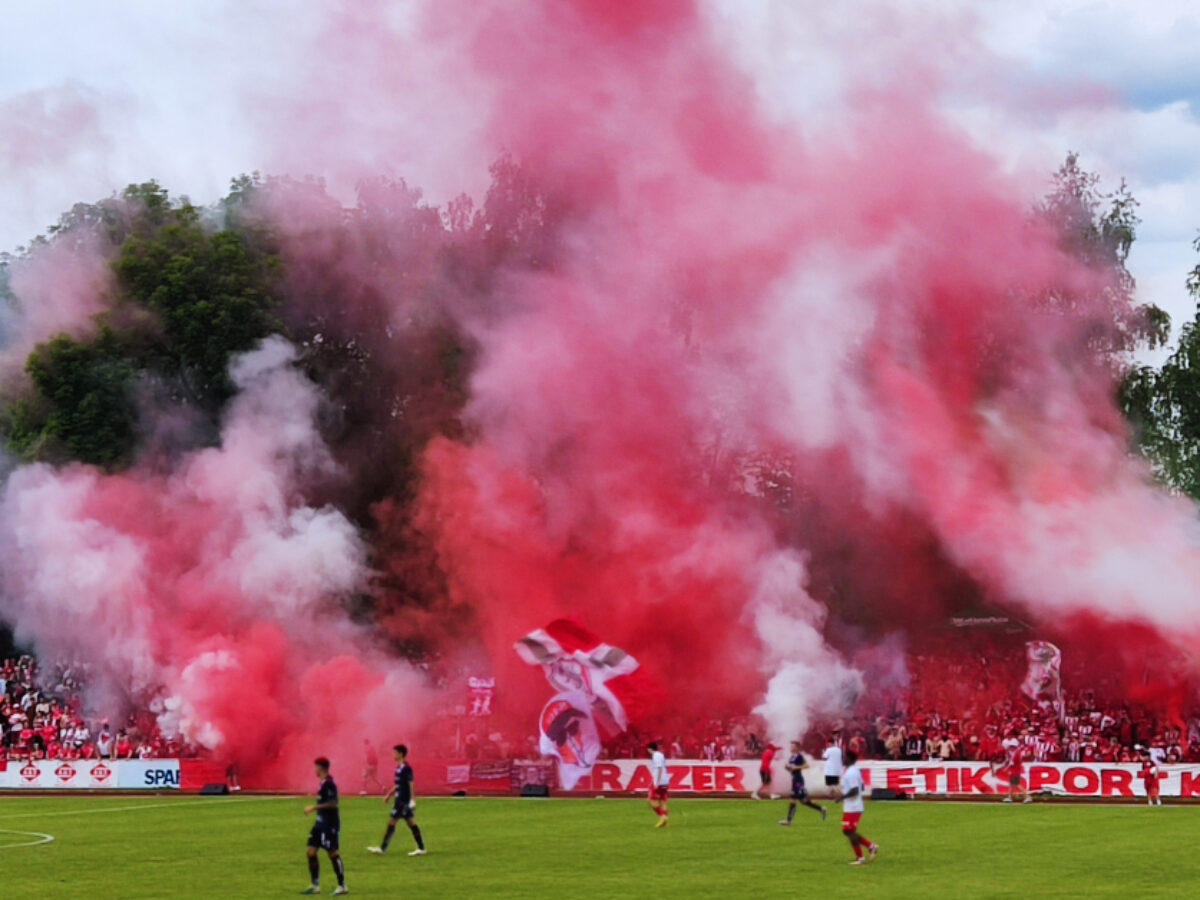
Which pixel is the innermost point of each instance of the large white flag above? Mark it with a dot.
(593, 688)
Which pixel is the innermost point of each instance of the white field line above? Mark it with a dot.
(41, 839)
(139, 806)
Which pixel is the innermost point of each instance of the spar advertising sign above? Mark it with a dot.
(91, 774)
(1112, 780)
(148, 774)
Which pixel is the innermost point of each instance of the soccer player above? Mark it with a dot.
(852, 809)
(324, 834)
(796, 764)
(659, 779)
(1149, 775)
(403, 807)
(764, 769)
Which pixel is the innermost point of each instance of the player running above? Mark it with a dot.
(851, 792)
(402, 808)
(324, 834)
(659, 780)
(796, 764)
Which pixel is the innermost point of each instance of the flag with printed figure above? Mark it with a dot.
(597, 689)
(1043, 679)
(568, 733)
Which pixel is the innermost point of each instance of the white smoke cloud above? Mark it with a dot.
(175, 585)
(806, 677)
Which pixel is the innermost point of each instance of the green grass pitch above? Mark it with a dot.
(244, 846)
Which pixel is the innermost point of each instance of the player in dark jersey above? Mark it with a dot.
(324, 834)
(796, 765)
(401, 797)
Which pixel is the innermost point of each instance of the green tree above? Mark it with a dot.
(1099, 230)
(1163, 406)
(189, 295)
(212, 292)
(84, 407)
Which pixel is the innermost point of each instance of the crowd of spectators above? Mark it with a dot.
(962, 699)
(41, 717)
(957, 698)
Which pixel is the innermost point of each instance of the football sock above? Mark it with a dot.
(857, 851)
(387, 837)
(339, 869)
(791, 811)
(314, 869)
(416, 831)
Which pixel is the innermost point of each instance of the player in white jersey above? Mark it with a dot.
(660, 778)
(852, 789)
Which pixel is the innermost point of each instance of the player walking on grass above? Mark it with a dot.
(659, 780)
(324, 834)
(403, 805)
(852, 810)
(796, 764)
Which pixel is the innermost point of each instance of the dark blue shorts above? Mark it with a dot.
(402, 811)
(799, 791)
(324, 837)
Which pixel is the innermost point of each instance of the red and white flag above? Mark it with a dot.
(568, 733)
(1043, 680)
(595, 685)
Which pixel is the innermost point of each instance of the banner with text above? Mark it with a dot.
(925, 778)
(1066, 779)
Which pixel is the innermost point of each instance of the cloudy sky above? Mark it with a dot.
(94, 96)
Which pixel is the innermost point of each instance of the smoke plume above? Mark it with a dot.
(726, 389)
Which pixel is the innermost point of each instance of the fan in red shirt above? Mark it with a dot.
(1014, 769)
(764, 770)
(1150, 780)
(370, 772)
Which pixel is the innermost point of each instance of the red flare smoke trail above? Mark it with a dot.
(750, 388)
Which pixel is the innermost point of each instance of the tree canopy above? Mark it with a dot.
(1163, 405)
(188, 297)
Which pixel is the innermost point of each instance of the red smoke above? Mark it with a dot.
(738, 398)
